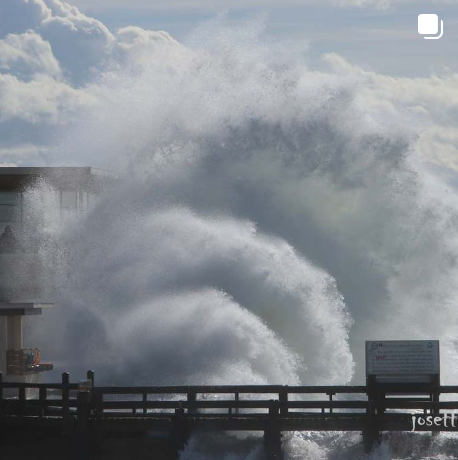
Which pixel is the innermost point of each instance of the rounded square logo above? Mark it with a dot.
(428, 24)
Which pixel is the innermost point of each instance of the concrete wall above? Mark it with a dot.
(21, 277)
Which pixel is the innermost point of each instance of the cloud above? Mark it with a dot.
(79, 42)
(184, 5)
(132, 38)
(27, 55)
(41, 100)
(50, 54)
(430, 103)
(18, 16)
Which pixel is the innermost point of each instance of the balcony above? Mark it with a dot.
(25, 362)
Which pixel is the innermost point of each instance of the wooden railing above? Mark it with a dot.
(239, 406)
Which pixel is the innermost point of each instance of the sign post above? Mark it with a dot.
(407, 364)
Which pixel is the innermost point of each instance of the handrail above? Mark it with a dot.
(241, 389)
(288, 400)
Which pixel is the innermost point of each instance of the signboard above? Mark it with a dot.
(402, 357)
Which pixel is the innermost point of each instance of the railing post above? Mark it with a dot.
(436, 393)
(371, 432)
(22, 399)
(91, 377)
(83, 410)
(283, 398)
(272, 433)
(330, 400)
(192, 397)
(145, 399)
(237, 399)
(66, 427)
(42, 398)
(82, 423)
(98, 405)
(1, 395)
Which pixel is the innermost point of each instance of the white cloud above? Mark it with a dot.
(132, 37)
(211, 5)
(18, 16)
(26, 55)
(79, 42)
(41, 100)
(137, 45)
(431, 103)
(18, 153)
(49, 54)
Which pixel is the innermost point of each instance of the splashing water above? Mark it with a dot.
(266, 220)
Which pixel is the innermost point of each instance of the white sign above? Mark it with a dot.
(402, 357)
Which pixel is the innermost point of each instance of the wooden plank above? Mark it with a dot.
(216, 404)
(327, 404)
(325, 389)
(226, 404)
(420, 405)
(201, 389)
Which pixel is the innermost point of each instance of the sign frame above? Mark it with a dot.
(411, 361)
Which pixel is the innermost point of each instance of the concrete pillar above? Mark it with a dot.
(14, 333)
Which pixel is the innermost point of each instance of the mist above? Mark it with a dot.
(265, 220)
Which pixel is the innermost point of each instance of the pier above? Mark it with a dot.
(87, 412)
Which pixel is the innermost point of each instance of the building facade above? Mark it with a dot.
(24, 195)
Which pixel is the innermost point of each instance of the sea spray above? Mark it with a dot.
(183, 298)
(260, 209)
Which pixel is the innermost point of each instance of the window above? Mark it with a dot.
(9, 198)
(69, 200)
(10, 210)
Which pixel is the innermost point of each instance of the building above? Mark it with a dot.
(72, 190)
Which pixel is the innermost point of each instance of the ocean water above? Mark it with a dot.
(265, 220)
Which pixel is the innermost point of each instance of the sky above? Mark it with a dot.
(53, 53)
(381, 34)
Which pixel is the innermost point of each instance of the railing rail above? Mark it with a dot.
(62, 400)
